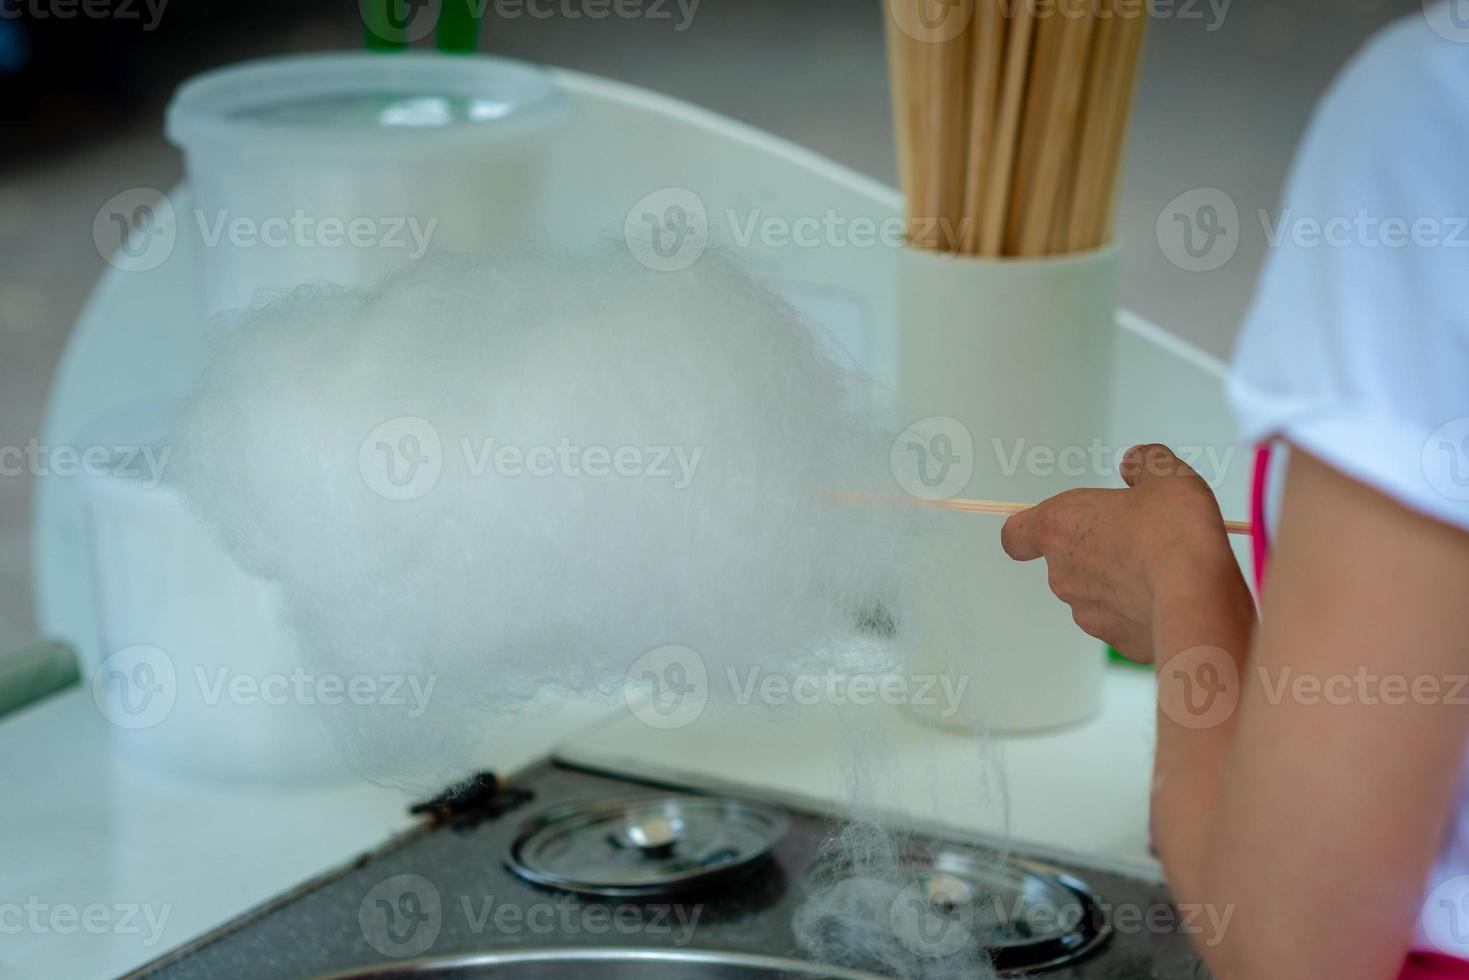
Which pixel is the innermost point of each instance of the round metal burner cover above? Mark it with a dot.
(1027, 916)
(1023, 915)
(647, 845)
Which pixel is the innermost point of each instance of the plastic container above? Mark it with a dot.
(198, 675)
(1005, 369)
(343, 167)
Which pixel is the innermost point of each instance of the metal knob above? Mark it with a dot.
(653, 836)
(947, 893)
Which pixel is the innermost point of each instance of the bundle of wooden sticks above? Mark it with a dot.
(1011, 117)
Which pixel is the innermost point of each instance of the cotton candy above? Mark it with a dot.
(517, 474)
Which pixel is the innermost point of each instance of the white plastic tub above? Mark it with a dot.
(195, 670)
(344, 167)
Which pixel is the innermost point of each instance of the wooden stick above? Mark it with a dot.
(1011, 132)
(908, 70)
(1039, 85)
(949, 139)
(1065, 198)
(1131, 33)
(965, 506)
(1018, 43)
(986, 57)
(1059, 72)
(1090, 170)
(898, 84)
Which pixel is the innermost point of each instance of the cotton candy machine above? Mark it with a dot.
(491, 150)
(499, 899)
(564, 872)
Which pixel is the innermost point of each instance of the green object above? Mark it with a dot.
(1116, 657)
(459, 26)
(385, 23)
(35, 671)
(392, 25)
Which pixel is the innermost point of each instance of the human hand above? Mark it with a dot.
(1119, 557)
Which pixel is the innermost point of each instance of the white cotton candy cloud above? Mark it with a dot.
(516, 474)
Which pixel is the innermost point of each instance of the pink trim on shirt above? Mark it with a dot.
(1259, 531)
(1434, 966)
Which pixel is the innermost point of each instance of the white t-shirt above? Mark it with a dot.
(1357, 345)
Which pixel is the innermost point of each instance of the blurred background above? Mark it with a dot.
(1226, 91)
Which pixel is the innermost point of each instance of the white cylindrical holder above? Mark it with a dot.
(1004, 367)
(199, 676)
(344, 167)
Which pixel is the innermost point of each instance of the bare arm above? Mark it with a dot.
(1305, 802)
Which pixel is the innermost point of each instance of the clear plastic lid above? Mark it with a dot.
(357, 101)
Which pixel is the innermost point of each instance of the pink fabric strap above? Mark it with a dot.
(1434, 966)
(1259, 532)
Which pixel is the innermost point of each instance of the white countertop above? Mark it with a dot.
(107, 866)
(1082, 789)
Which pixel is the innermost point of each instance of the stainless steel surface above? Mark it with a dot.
(606, 964)
(443, 899)
(647, 845)
(1025, 915)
